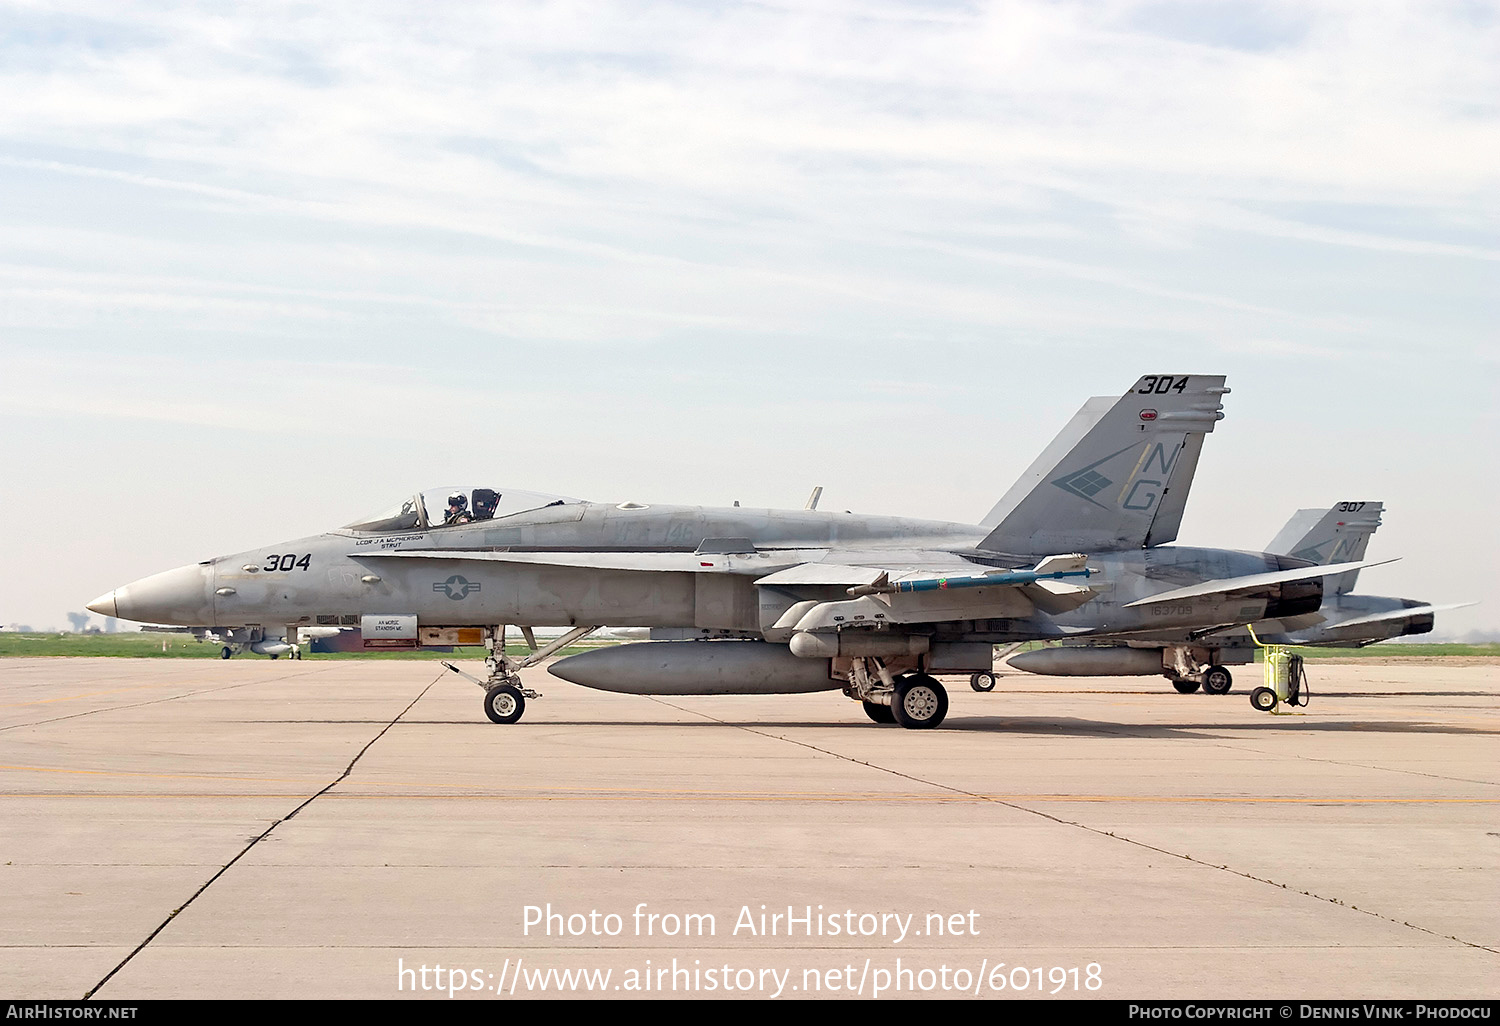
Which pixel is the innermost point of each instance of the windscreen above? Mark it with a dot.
(401, 517)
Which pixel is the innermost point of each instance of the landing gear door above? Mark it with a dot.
(389, 631)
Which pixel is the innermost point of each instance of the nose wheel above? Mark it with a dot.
(504, 703)
(504, 698)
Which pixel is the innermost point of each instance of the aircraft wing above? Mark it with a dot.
(1251, 582)
(907, 595)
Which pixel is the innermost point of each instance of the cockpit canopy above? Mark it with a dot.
(434, 508)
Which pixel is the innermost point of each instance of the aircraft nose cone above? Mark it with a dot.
(104, 605)
(182, 596)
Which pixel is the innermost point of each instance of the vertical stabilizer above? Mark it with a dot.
(1118, 475)
(1339, 534)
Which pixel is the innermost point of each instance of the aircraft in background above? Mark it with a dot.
(759, 601)
(259, 640)
(1339, 534)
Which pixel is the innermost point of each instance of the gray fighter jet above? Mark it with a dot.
(762, 601)
(274, 642)
(1338, 534)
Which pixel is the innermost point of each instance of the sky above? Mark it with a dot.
(265, 268)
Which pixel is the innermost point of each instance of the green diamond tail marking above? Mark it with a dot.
(1088, 482)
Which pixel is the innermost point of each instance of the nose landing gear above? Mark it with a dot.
(504, 697)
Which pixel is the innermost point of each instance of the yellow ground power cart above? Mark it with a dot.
(1285, 679)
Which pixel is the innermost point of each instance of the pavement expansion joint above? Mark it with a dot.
(154, 701)
(259, 837)
(1363, 766)
(1084, 826)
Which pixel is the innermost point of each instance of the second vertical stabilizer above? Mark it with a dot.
(1339, 534)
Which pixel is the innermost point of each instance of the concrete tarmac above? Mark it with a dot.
(321, 829)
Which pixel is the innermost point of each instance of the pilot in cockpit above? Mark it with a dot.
(458, 510)
(485, 502)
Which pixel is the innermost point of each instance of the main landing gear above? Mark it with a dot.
(504, 697)
(1190, 667)
(919, 702)
(914, 700)
(1217, 681)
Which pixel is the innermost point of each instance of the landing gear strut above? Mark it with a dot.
(504, 697)
(1190, 667)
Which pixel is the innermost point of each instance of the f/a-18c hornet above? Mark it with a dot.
(267, 641)
(763, 601)
(1337, 534)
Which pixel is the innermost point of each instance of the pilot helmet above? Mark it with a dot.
(458, 499)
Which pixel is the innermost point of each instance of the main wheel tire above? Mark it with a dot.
(879, 713)
(504, 704)
(226, 652)
(1217, 681)
(1185, 687)
(983, 681)
(920, 702)
(1263, 699)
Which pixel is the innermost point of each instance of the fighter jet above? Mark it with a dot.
(763, 601)
(233, 641)
(1337, 534)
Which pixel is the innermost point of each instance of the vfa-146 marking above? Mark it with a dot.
(767, 601)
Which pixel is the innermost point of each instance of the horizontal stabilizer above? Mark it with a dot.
(1250, 582)
(1291, 624)
(1394, 614)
